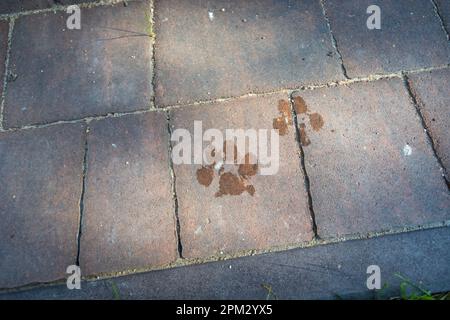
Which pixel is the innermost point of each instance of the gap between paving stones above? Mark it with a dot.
(83, 191)
(289, 91)
(428, 132)
(303, 168)
(5, 76)
(174, 190)
(188, 262)
(438, 13)
(333, 39)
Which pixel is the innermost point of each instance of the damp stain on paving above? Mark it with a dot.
(205, 175)
(299, 105)
(249, 167)
(229, 183)
(282, 122)
(304, 140)
(232, 184)
(316, 121)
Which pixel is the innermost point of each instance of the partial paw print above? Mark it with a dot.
(234, 179)
(303, 114)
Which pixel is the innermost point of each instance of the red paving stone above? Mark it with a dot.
(128, 219)
(239, 47)
(104, 67)
(411, 36)
(276, 214)
(432, 92)
(41, 172)
(361, 180)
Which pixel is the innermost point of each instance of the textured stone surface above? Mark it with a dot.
(324, 272)
(277, 212)
(4, 27)
(128, 219)
(411, 36)
(214, 49)
(104, 67)
(41, 173)
(444, 11)
(432, 92)
(13, 6)
(370, 165)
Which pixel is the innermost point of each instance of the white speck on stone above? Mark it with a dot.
(407, 150)
(127, 163)
(114, 145)
(229, 267)
(218, 165)
(198, 230)
(223, 9)
(211, 15)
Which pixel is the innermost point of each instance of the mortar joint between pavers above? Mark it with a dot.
(306, 181)
(83, 192)
(174, 189)
(154, 108)
(441, 19)
(333, 39)
(6, 71)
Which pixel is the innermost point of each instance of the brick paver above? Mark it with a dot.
(258, 212)
(128, 219)
(41, 173)
(104, 67)
(214, 49)
(432, 92)
(4, 27)
(335, 271)
(370, 165)
(411, 36)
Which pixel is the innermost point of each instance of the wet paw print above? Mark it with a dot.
(230, 183)
(315, 119)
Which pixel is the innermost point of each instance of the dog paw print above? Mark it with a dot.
(315, 119)
(233, 181)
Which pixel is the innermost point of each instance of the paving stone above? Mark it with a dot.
(370, 165)
(102, 68)
(14, 6)
(127, 222)
(444, 11)
(410, 37)
(41, 172)
(432, 92)
(4, 27)
(228, 48)
(237, 210)
(323, 272)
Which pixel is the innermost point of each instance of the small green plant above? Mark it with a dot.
(270, 294)
(416, 292)
(115, 291)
